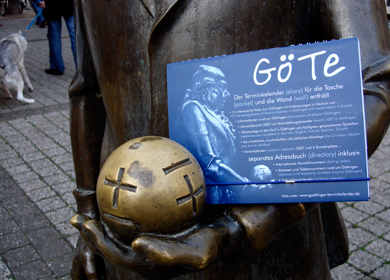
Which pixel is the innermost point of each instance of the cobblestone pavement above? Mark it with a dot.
(37, 177)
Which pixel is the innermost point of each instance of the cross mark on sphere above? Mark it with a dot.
(176, 165)
(118, 184)
(191, 196)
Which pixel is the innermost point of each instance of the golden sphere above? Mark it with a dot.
(150, 185)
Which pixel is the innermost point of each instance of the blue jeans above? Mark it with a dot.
(37, 9)
(55, 45)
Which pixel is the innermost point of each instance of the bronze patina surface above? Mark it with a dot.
(150, 185)
(120, 93)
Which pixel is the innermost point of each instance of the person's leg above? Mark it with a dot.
(37, 9)
(70, 25)
(54, 36)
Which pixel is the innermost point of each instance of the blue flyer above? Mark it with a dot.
(280, 125)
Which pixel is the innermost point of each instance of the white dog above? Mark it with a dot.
(12, 71)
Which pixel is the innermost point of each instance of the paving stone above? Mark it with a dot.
(8, 131)
(50, 204)
(56, 179)
(63, 158)
(31, 132)
(8, 188)
(73, 239)
(12, 162)
(380, 248)
(8, 226)
(14, 202)
(345, 272)
(29, 223)
(64, 188)
(365, 261)
(381, 154)
(385, 215)
(369, 207)
(383, 199)
(12, 241)
(33, 156)
(69, 198)
(376, 226)
(42, 235)
(19, 169)
(67, 166)
(5, 273)
(72, 174)
(44, 144)
(19, 123)
(54, 151)
(378, 187)
(61, 266)
(33, 185)
(39, 194)
(382, 272)
(68, 148)
(41, 163)
(37, 119)
(66, 229)
(14, 139)
(51, 250)
(25, 177)
(60, 215)
(20, 255)
(21, 145)
(4, 147)
(8, 154)
(353, 247)
(384, 177)
(25, 151)
(3, 214)
(48, 171)
(31, 271)
(386, 236)
(360, 237)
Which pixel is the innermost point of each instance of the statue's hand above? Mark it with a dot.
(195, 248)
(262, 223)
(85, 263)
(254, 225)
(377, 102)
(101, 242)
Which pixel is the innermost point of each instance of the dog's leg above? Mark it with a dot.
(15, 81)
(24, 74)
(7, 90)
(21, 98)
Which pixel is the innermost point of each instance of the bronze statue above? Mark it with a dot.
(119, 93)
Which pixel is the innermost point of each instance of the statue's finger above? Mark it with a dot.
(197, 250)
(89, 263)
(77, 271)
(78, 220)
(93, 235)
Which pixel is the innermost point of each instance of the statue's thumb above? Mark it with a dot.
(78, 221)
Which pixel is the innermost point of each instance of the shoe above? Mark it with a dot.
(43, 24)
(53, 72)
